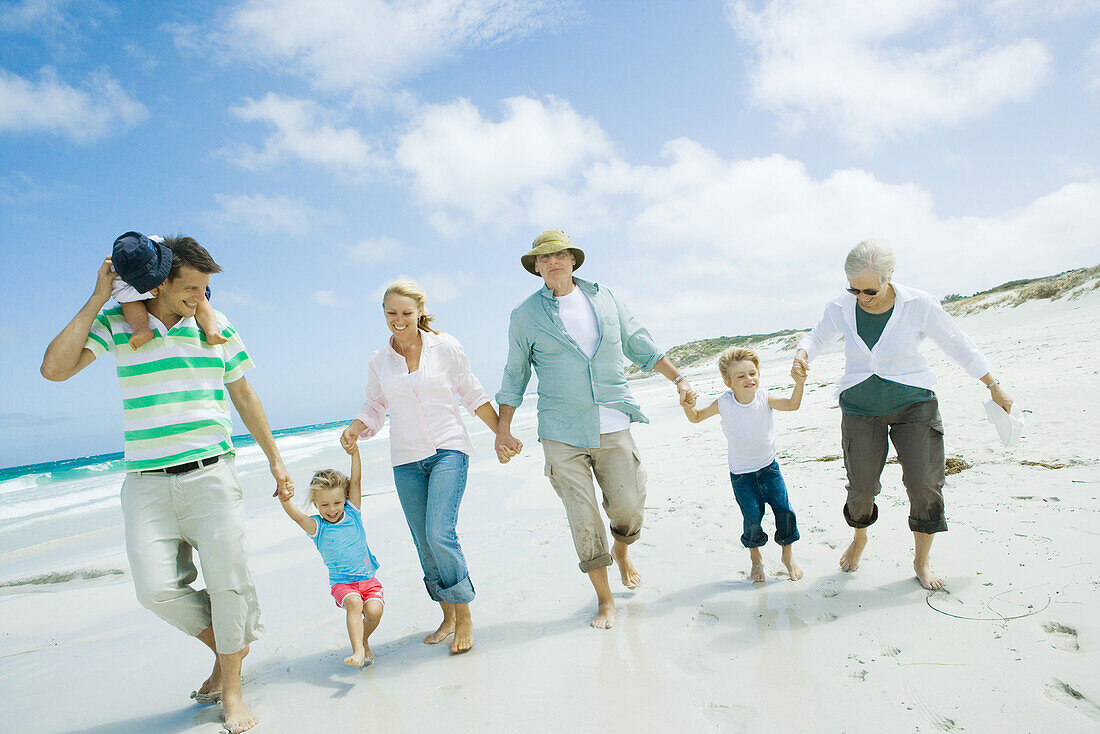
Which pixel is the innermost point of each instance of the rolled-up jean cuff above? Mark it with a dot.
(460, 593)
(861, 523)
(928, 526)
(625, 539)
(787, 541)
(600, 562)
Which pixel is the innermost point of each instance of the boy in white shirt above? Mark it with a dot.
(754, 472)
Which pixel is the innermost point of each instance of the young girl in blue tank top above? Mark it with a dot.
(337, 531)
(754, 472)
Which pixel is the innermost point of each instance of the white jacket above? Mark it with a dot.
(896, 356)
(424, 417)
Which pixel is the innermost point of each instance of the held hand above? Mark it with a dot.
(104, 281)
(1001, 398)
(683, 389)
(800, 366)
(689, 399)
(349, 439)
(284, 486)
(799, 371)
(507, 446)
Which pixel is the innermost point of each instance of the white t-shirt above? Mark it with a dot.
(750, 432)
(579, 319)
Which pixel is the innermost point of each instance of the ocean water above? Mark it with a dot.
(55, 513)
(54, 501)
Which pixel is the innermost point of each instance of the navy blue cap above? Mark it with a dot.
(141, 262)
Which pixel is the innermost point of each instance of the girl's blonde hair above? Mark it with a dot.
(325, 480)
(731, 356)
(412, 289)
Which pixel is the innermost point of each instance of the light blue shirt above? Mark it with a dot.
(343, 547)
(572, 386)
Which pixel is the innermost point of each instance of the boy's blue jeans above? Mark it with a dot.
(430, 491)
(752, 491)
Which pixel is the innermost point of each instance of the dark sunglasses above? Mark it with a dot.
(865, 291)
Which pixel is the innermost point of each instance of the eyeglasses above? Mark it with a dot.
(864, 291)
(559, 255)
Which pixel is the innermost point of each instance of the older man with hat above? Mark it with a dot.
(575, 334)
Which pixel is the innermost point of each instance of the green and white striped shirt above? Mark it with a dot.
(175, 407)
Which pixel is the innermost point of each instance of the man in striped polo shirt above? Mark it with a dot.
(181, 490)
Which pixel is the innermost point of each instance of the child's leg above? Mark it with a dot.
(208, 322)
(756, 573)
(137, 316)
(751, 502)
(793, 570)
(372, 615)
(774, 490)
(353, 605)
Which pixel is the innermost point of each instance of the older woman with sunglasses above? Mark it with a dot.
(886, 392)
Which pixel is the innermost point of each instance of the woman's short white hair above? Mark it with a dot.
(873, 255)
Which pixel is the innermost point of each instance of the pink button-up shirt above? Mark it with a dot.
(423, 414)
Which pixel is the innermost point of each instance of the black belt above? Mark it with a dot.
(184, 468)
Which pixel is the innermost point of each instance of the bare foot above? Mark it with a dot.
(213, 337)
(464, 636)
(793, 571)
(605, 616)
(445, 630)
(928, 579)
(235, 715)
(211, 689)
(359, 658)
(140, 338)
(850, 560)
(630, 576)
(756, 573)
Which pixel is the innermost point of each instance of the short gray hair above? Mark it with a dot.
(873, 255)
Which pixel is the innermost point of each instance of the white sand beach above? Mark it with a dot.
(1007, 646)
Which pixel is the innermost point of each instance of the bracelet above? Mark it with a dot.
(679, 377)
(992, 384)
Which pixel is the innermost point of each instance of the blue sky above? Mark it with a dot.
(715, 160)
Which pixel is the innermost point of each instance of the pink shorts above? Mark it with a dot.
(365, 590)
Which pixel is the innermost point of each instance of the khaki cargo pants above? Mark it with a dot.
(618, 470)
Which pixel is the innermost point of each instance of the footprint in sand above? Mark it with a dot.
(827, 617)
(1062, 637)
(890, 651)
(1066, 694)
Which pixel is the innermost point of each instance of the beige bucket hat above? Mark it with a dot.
(551, 240)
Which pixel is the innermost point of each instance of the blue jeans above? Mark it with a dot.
(430, 491)
(752, 491)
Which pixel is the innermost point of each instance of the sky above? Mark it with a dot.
(714, 160)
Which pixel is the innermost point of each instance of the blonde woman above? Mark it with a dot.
(415, 378)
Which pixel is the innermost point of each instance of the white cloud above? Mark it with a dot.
(264, 214)
(376, 250)
(96, 109)
(368, 45)
(52, 19)
(846, 64)
(475, 171)
(700, 245)
(303, 131)
(327, 298)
